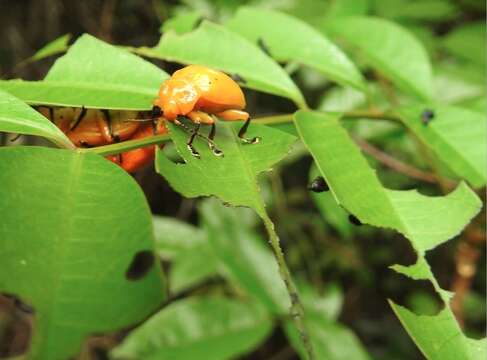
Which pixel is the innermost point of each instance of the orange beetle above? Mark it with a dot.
(197, 92)
(89, 128)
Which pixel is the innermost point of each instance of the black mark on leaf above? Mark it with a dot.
(354, 220)
(140, 265)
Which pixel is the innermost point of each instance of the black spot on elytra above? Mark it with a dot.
(318, 185)
(140, 265)
(354, 220)
(427, 115)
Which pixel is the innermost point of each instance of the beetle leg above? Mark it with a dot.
(242, 132)
(114, 137)
(211, 143)
(78, 119)
(191, 139)
(85, 144)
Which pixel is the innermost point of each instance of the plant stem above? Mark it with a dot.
(121, 147)
(398, 165)
(117, 148)
(297, 309)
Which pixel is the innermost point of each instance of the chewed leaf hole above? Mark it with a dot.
(140, 265)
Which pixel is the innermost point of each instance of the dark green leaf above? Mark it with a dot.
(77, 245)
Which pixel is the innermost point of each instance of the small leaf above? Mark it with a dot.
(215, 46)
(83, 255)
(95, 75)
(244, 256)
(452, 345)
(198, 328)
(17, 117)
(181, 23)
(233, 177)
(390, 49)
(457, 136)
(56, 46)
(283, 36)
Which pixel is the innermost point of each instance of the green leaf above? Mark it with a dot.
(192, 267)
(408, 212)
(56, 46)
(93, 96)
(452, 345)
(198, 328)
(330, 339)
(456, 136)
(174, 236)
(339, 8)
(181, 23)
(330, 211)
(233, 177)
(95, 75)
(283, 36)
(17, 117)
(390, 49)
(83, 220)
(468, 42)
(187, 246)
(245, 258)
(419, 10)
(215, 46)
(425, 221)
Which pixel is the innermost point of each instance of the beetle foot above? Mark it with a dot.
(193, 151)
(254, 140)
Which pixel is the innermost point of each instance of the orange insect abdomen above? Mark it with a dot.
(133, 160)
(199, 88)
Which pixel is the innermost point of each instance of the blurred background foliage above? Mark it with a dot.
(345, 263)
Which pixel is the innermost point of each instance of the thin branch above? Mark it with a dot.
(118, 148)
(297, 308)
(396, 164)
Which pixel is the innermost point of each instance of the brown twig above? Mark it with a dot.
(466, 258)
(396, 164)
(106, 20)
